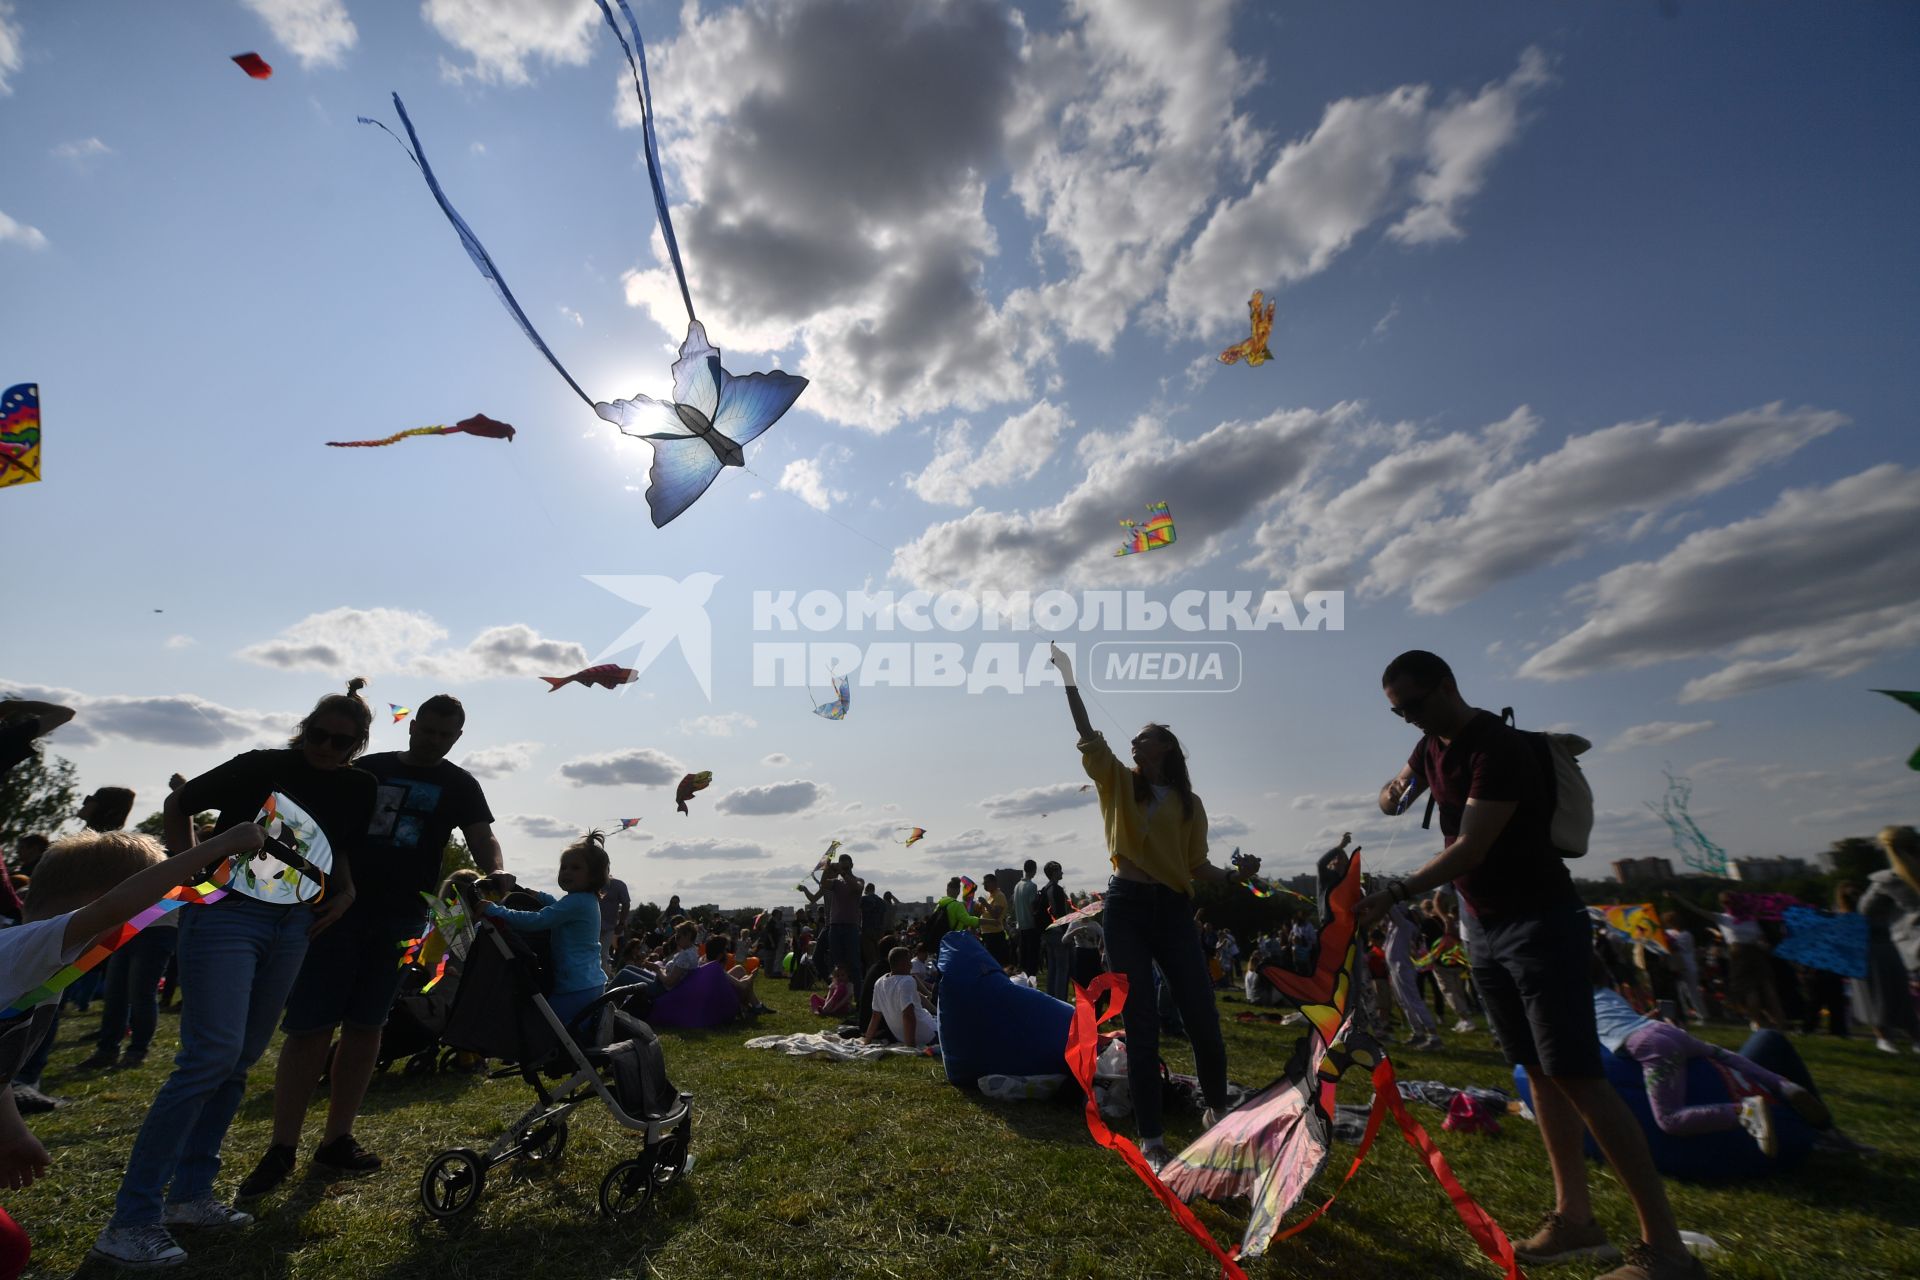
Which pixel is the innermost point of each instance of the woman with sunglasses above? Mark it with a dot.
(238, 957)
(1157, 835)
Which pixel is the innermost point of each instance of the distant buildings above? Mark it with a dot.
(1634, 870)
(1769, 868)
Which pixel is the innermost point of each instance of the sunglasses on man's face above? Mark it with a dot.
(321, 738)
(1410, 707)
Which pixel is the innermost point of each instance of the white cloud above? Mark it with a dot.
(498, 762)
(171, 720)
(1034, 801)
(20, 233)
(1022, 445)
(1819, 584)
(181, 642)
(835, 159)
(541, 827)
(773, 798)
(719, 726)
(805, 479)
(1229, 473)
(502, 36)
(12, 51)
(1225, 826)
(1657, 733)
(709, 850)
(380, 641)
(1369, 159)
(83, 150)
(632, 767)
(318, 32)
(776, 759)
(579, 321)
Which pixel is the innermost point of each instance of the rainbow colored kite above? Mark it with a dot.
(1155, 533)
(20, 435)
(113, 939)
(399, 712)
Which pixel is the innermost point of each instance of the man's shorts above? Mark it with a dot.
(1535, 975)
(351, 973)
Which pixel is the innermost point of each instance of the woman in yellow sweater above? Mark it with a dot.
(1157, 833)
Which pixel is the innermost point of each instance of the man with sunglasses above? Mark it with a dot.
(352, 974)
(1532, 958)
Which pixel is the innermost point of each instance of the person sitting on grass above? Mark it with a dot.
(720, 952)
(573, 923)
(1663, 1051)
(839, 997)
(897, 1005)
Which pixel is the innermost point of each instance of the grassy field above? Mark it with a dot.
(809, 1169)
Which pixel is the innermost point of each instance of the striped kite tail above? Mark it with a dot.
(375, 444)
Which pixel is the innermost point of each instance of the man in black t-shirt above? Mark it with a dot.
(1531, 960)
(352, 971)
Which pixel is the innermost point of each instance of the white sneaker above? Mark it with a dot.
(1157, 1155)
(207, 1215)
(1756, 1117)
(1209, 1118)
(138, 1248)
(1463, 1026)
(1883, 1044)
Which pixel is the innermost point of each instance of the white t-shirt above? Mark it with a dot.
(893, 995)
(1739, 933)
(32, 953)
(687, 958)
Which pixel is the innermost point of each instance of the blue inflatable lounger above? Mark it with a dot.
(991, 1025)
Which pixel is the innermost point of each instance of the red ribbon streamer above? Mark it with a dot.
(1083, 1046)
(1486, 1232)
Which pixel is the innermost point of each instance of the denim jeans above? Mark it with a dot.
(132, 992)
(1148, 924)
(1059, 969)
(238, 959)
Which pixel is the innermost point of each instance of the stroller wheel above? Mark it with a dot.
(452, 1183)
(447, 1060)
(544, 1143)
(670, 1155)
(627, 1188)
(421, 1064)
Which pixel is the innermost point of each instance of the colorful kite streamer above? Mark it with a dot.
(20, 435)
(478, 425)
(1695, 849)
(113, 939)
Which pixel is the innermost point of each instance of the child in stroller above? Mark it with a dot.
(501, 1011)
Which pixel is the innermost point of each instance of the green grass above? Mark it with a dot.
(811, 1169)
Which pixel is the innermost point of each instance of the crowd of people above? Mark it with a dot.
(1491, 930)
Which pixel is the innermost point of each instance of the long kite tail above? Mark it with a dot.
(471, 243)
(396, 436)
(643, 90)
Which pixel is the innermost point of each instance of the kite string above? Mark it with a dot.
(643, 91)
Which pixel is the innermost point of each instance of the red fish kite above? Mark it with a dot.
(606, 675)
(254, 65)
(478, 425)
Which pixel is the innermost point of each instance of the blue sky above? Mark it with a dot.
(1586, 375)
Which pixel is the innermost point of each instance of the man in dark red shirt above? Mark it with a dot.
(1532, 958)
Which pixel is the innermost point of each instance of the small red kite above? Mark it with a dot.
(254, 65)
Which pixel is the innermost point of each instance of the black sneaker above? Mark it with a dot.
(133, 1058)
(346, 1155)
(269, 1173)
(99, 1060)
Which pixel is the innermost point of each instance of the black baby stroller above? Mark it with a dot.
(500, 1012)
(416, 1021)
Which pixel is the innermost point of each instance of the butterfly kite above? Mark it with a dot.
(1909, 696)
(713, 414)
(20, 435)
(1269, 1148)
(688, 785)
(254, 65)
(399, 712)
(1833, 943)
(842, 696)
(914, 834)
(1156, 532)
(1254, 349)
(478, 425)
